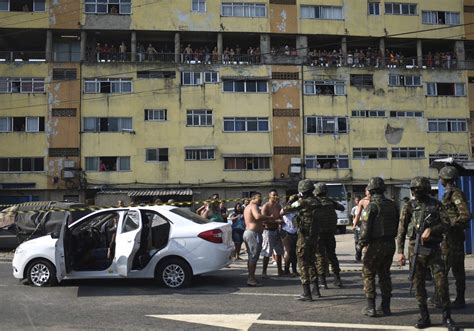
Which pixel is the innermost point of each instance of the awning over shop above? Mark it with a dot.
(159, 192)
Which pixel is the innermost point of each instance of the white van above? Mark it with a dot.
(338, 192)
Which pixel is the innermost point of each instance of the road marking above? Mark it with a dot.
(245, 321)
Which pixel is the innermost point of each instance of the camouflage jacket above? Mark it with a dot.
(379, 220)
(306, 217)
(413, 214)
(456, 206)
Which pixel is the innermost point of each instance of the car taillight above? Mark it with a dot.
(214, 236)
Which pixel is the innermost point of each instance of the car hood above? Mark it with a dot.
(44, 241)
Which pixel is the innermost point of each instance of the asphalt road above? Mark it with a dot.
(214, 301)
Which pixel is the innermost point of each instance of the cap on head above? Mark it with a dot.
(376, 183)
(320, 188)
(448, 173)
(420, 184)
(305, 185)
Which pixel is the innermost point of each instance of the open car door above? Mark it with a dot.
(127, 241)
(61, 250)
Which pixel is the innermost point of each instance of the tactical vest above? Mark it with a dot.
(419, 211)
(326, 215)
(385, 224)
(306, 217)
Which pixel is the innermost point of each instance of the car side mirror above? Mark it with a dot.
(55, 235)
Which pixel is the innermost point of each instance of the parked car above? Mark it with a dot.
(35, 219)
(168, 243)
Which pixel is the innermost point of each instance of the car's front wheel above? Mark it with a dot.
(42, 273)
(174, 273)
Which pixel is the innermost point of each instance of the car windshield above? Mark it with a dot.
(336, 192)
(189, 215)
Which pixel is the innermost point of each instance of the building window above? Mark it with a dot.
(21, 85)
(64, 112)
(246, 163)
(238, 9)
(408, 153)
(198, 5)
(402, 80)
(108, 85)
(369, 153)
(191, 78)
(393, 8)
(108, 163)
(447, 125)
(327, 162)
(199, 154)
(245, 86)
(400, 114)
(368, 113)
(374, 8)
(322, 12)
(457, 157)
(21, 164)
(445, 89)
(150, 74)
(245, 124)
(440, 17)
(199, 117)
(23, 6)
(22, 124)
(107, 124)
(313, 87)
(211, 77)
(156, 115)
(362, 80)
(326, 125)
(112, 7)
(64, 74)
(157, 155)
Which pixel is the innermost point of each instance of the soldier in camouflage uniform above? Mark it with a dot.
(379, 225)
(423, 208)
(326, 248)
(452, 247)
(306, 220)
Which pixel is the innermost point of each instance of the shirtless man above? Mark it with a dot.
(253, 235)
(271, 235)
(360, 206)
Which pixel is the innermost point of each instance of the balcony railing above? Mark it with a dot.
(327, 61)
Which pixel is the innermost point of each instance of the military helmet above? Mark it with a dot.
(420, 184)
(376, 183)
(305, 185)
(320, 188)
(448, 173)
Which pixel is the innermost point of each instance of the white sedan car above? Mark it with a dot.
(167, 243)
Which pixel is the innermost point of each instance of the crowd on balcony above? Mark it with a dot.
(356, 58)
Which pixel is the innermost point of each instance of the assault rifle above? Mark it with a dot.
(419, 249)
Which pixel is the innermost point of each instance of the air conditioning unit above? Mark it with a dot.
(69, 174)
(295, 167)
(69, 164)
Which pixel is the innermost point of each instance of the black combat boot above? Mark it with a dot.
(447, 320)
(460, 302)
(337, 280)
(315, 290)
(322, 282)
(424, 321)
(370, 309)
(306, 296)
(384, 308)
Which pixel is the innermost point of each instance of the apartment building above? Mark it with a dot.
(137, 100)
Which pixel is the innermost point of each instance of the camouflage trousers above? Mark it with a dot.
(305, 253)
(436, 264)
(325, 253)
(453, 256)
(376, 262)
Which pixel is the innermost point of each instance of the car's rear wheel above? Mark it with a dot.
(174, 273)
(42, 273)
